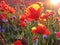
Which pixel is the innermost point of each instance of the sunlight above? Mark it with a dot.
(55, 1)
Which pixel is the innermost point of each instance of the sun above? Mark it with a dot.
(55, 1)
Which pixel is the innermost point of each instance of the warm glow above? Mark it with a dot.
(55, 1)
(59, 11)
(35, 6)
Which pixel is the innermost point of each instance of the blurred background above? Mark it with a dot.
(26, 3)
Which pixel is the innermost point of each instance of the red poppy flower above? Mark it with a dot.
(22, 24)
(40, 29)
(2, 16)
(22, 17)
(11, 10)
(45, 16)
(18, 42)
(33, 11)
(58, 34)
(47, 33)
(3, 6)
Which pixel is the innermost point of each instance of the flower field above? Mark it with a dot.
(29, 25)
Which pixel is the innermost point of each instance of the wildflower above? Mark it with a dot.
(22, 17)
(45, 16)
(4, 20)
(33, 11)
(2, 16)
(13, 17)
(22, 24)
(40, 29)
(47, 32)
(3, 6)
(45, 36)
(58, 34)
(17, 42)
(11, 10)
(2, 29)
